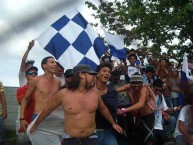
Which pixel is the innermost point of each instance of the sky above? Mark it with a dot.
(24, 20)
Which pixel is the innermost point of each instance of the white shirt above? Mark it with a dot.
(185, 116)
(22, 79)
(161, 103)
(131, 70)
(63, 82)
(116, 59)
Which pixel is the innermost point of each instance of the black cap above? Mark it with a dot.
(30, 68)
(83, 68)
(68, 72)
(29, 62)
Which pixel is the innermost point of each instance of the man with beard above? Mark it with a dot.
(79, 100)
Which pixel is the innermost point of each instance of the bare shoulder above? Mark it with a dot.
(63, 91)
(96, 91)
(61, 94)
(145, 89)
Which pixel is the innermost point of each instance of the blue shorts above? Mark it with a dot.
(34, 116)
(69, 140)
(2, 130)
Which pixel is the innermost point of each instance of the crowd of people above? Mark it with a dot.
(135, 101)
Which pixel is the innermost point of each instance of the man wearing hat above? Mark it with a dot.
(60, 73)
(68, 77)
(144, 106)
(22, 75)
(25, 64)
(31, 71)
(79, 101)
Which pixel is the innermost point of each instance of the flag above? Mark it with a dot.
(138, 61)
(71, 40)
(184, 73)
(116, 45)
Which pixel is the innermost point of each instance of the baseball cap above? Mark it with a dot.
(83, 68)
(29, 62)
(68, 72)
(30, 68)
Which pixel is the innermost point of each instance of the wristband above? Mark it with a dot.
(175, 108)
(21, 119)
(124, 111)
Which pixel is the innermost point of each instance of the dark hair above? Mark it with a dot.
(75, 81)
(158, 83)
(132, 50)
(104, 64)
(116, 73)
(162, 59)
(45, 60)
(132, 55)
(149, 69)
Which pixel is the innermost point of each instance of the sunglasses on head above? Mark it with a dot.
(32, 73)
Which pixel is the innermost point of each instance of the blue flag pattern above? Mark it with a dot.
(72, 40)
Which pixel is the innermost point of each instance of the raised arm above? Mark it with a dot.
(24, 58)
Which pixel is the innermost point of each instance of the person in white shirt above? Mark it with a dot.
(60, 73)
(160, 113)
(184, 127)
(25, 64)
(132, 68)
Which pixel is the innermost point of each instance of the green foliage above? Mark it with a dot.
(155, 22)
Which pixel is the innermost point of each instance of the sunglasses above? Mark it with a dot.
(32, 73)
(136, 86)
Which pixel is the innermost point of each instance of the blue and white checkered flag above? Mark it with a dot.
(71, 40)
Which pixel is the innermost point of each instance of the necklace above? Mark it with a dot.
(102, 89)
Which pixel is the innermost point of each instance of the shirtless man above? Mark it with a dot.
(79, 100)
(43, 87)
(144, 105)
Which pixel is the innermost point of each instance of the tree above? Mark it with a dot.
(156, 23)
